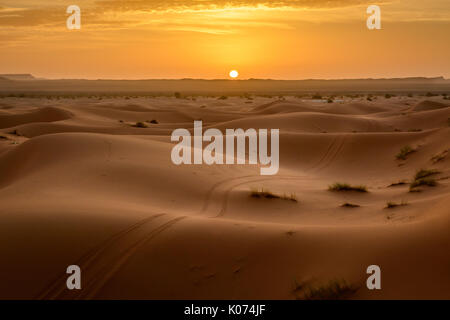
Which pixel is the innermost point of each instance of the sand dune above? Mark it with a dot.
(429, 105)
(46, 114)
(80, 184)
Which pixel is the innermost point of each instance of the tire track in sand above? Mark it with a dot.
(100, 264)
(333, 150)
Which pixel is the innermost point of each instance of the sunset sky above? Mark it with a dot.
(297, 39)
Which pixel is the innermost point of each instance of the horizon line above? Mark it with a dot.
(225, 79)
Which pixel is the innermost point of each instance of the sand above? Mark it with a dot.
(80, 185)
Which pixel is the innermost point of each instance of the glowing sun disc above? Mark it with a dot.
(234, 74)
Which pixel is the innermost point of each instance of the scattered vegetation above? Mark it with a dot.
(439, 157)
(350, 205)
(291, 197)
(423, 178)
(430, 182)
(317, 97)
(256, 193)
(330, 100)
(404, 152)
(388, 96)
(414, 130)
(177, 95)
(333, 290)
(346, 187)
(140, 125)
(399, 183)
(223, 98)
(391, 205)
(153, 121)
(423, 173)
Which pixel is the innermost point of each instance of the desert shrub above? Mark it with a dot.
(439, 157)
(423, 173)
(430, 182)
(346, 187)
(391, 204)
(333, 290)
(265, 194)
(423, 178)
(404, 152)
(398, 183)
(140, 125)
(177, 95)
(256, 193)
(350, 205)
(290, 197)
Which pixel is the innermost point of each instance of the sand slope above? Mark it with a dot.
(80, 185)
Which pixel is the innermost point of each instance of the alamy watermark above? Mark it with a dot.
(374, 20)
(74, 20)
(214, 153)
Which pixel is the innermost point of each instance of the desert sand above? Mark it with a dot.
(79, 184)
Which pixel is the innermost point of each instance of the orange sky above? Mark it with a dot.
(295, 39)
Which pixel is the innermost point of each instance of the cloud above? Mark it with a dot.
(175, 5)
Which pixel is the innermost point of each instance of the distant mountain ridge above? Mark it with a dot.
(18, 76)
(20, 83)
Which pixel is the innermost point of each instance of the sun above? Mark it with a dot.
(234, 74)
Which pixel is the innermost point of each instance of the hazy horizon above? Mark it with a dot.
(38, 77)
